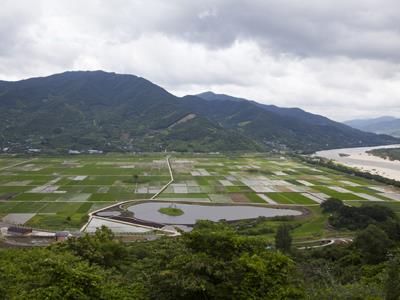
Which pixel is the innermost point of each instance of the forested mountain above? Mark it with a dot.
(84, 110)
(282, 111)
(291, 126)
(385, 125)
(114, 112)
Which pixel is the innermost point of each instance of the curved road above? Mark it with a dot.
(329, 242)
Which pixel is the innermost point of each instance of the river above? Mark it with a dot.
(359, 158)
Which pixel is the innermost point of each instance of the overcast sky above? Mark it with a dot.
(336, 58)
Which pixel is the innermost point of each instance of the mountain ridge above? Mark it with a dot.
(284, 111)
(381, 125)
(123, 112)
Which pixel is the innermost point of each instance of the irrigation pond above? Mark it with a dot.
(192, 212)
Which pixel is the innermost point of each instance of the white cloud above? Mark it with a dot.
(337, 58)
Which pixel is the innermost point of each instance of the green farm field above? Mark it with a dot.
(59, 192)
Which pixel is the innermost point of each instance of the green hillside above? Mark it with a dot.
(113, 112)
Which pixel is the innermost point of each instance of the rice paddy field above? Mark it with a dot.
(58, 192)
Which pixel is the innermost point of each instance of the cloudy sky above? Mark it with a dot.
(339, 58)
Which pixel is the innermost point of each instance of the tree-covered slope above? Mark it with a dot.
(108, 111)
(290, 126)
(83, 110)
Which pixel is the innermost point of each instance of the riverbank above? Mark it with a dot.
(360, 158)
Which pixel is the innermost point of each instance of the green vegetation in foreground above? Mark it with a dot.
(171, 211)
(214, 261)
(359, 217)
(390, 153)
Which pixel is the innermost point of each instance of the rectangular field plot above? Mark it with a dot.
(18, 218)
(338, 195)
(67, 208)
(57, 221)
(58, 192)
(7, 207)
(220, 198)
(290, 198)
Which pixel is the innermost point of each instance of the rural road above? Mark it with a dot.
(329, 242)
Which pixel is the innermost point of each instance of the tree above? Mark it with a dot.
(209, 263)
(221, 265)
(283, 239)
(331, 205)
(135, 178)
(373, 243)
(101, 248)
(392, 281)
(47, 274)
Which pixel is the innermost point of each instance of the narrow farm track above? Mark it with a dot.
(167, 185)
(91, 215)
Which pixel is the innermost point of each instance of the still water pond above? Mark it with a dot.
(192, 212)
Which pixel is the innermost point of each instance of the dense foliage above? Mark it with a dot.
(205, 264)
(368, 268)
(283, 239)
(353, 218)
(214, 261)
(390, 153)
(343, 272)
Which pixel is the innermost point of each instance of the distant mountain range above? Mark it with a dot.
(113, 112)
(382, 125)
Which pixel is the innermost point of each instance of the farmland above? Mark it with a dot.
(57, 193)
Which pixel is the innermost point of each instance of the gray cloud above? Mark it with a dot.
(337, 58)
(353, 28)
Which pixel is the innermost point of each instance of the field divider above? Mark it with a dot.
(167, 185)
(20, 163)
(123, 202)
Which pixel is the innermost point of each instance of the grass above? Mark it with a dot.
(171, 211)
(361, 189)
(312, 227)
(254, 198)
(290, 198)
(66, 208)
(57, 221)
(7, 207)
(337, 195)
(27, 207)
(36, 197)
